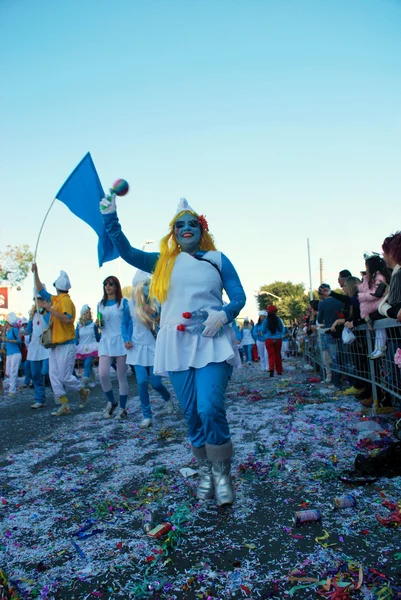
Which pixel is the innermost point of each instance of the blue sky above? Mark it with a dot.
(279, 120)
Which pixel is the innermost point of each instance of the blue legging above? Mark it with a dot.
(88, 365)
(201, 394)
(143, 375)
(248, 352)
(38, 371)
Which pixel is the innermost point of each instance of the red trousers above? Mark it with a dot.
(273, 348)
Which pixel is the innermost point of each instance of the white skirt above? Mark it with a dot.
(112, 346)
(179, 351)
(141, 355)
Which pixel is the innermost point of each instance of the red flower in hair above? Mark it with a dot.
(203, 222)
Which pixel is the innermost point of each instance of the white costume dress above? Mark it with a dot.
(87, 345)
(177, 350)
(35, 349)
(144, 343)
(112, 343)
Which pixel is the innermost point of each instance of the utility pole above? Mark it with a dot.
(321, 270)
(310, 272)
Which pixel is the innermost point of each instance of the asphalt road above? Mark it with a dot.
(292, 441)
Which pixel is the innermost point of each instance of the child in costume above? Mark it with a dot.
(87, 338)
(38, 355)
(114, 316)
(195, 343)
(141, 354)
(13, 353)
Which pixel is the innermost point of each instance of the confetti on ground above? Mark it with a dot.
(75, 494)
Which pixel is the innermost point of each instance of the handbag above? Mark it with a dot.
(347, 336)
(46, 337)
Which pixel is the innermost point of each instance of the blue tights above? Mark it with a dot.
(201, 394)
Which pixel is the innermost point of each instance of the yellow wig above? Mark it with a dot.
(140, 300)
(169, 250)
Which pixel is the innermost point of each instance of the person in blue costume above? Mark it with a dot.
(114, 321)
(38, 355)
(13, 353)
(145, 315)
(260, 338)
(195, 344)
(87, 337)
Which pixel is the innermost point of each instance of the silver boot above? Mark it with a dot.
(205, 489)
(223, 484)
(220, 457)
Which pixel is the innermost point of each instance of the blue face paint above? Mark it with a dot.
(146, 289)
(188, 233)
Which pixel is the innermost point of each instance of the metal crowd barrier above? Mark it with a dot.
(326, 353)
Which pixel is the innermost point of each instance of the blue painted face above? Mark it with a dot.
(188, 233)
(146, 289)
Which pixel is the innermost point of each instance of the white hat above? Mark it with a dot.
(139, 277)
(83, 309)
(262, 313)
(183, 205)
(24, 321)
(62, 282)
(12, 319)
(36, 293)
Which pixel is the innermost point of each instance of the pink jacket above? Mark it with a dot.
(368, 303)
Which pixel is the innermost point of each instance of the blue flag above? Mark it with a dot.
(81, 193)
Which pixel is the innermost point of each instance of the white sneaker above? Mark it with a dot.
(169, 406)
(92, 385)
(145, 423)
(63, 411)
(37, 405)
(109, 410)
(121, 413)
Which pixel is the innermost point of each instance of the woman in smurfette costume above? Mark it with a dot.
(260, 338)
(115, 318)
(87, 338)
(190, 275)
(143, 329)
(38, 355)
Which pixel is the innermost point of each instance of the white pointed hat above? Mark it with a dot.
(12, 319)
(62, 282)
(139, 277)
(83, 309)
(184, 205)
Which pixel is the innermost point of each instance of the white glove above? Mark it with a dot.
(108, 205)
(215, 321)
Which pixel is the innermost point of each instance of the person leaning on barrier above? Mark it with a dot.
(390, 306)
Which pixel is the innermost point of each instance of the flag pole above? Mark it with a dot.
(34, 258)
(310, 273)
(40, 230)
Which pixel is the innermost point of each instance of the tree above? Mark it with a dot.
(127, 291)
(15, 263)
(290, 298)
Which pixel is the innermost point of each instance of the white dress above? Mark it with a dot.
(194, 285)
(87, 345)
(35, 349)
(143, 351)
(112, 343)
